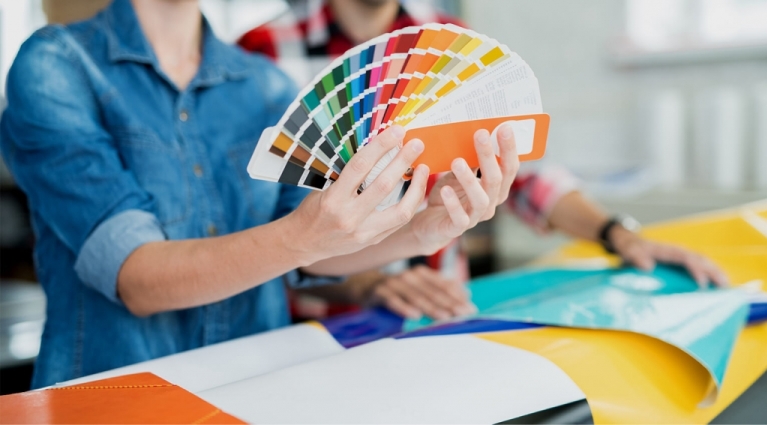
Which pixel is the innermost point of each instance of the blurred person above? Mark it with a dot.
(130, 133)
(315, 32)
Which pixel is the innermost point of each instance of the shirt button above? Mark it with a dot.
(183, 116)
(197, 170)
(212, 231)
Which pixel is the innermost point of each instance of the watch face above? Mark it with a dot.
(629, 223)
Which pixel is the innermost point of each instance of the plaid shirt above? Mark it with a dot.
(305, 40)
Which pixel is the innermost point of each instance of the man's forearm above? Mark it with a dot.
(171, 275)
(577, 216)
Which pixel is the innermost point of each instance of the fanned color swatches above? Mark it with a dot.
(440, 82)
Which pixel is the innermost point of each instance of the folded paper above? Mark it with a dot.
(665, 304)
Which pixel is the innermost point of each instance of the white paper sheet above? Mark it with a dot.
(231, 361)
(441, 379)
(508, 89)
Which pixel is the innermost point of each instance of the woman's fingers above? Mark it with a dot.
(364, 160)
(458, 216)
(509, 159)
(388, 221)
(479, 201)
(391, 176)
(488, 165)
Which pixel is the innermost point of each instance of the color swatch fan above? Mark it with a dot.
(440, 82)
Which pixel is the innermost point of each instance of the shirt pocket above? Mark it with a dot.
(261, 197)
(159, 168)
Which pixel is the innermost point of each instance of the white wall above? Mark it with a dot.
(598, 108)
(602, 112)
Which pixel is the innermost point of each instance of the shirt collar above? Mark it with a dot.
(127, 43)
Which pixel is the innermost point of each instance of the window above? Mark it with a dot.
(658, 25)
(18, 20)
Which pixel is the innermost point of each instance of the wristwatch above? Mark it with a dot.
(624, 220)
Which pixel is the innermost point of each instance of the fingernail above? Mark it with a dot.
(446, 192)
(483, 139)
(417, 145)
(424, 169)
(459, 164)
(482, 136)
(397, 131)
(506, 131)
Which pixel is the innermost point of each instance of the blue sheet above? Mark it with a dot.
(665, 304)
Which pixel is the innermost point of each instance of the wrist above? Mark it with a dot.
(294, 243)
(616, 231)
(620, 237)
(426, 245)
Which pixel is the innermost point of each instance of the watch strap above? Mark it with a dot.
(604, 233)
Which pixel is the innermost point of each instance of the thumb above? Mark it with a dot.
(640, 257)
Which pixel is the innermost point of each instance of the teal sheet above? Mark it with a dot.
(665, 304)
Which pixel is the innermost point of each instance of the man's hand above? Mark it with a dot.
(645, 254)
(460, 200)
(421, 291)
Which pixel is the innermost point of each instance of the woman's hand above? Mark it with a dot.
(645, 254)
(421, 291)
(340, 221)
(460, 200)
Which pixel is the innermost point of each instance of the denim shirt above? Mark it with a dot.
(112, 155)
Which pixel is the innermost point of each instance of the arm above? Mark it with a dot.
(578, 217)
(332, 232)
(169, 275)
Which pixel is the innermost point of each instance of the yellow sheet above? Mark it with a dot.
(630, 378)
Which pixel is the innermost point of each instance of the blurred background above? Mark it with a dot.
(658, 106)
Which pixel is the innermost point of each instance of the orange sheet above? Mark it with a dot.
(131, 399)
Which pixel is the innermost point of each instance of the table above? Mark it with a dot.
(304, 368)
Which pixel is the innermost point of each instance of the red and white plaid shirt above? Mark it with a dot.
(306, 39)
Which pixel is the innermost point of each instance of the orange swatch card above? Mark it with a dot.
(140, 398)
(446, 142)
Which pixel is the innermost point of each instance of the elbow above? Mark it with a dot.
(135, 303)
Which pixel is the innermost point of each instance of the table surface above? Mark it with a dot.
(611, 368)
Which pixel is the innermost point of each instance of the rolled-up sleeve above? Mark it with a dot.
(107, 248)
(535, 192)
(54, 142)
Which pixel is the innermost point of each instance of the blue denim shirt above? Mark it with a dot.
(112, 155)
